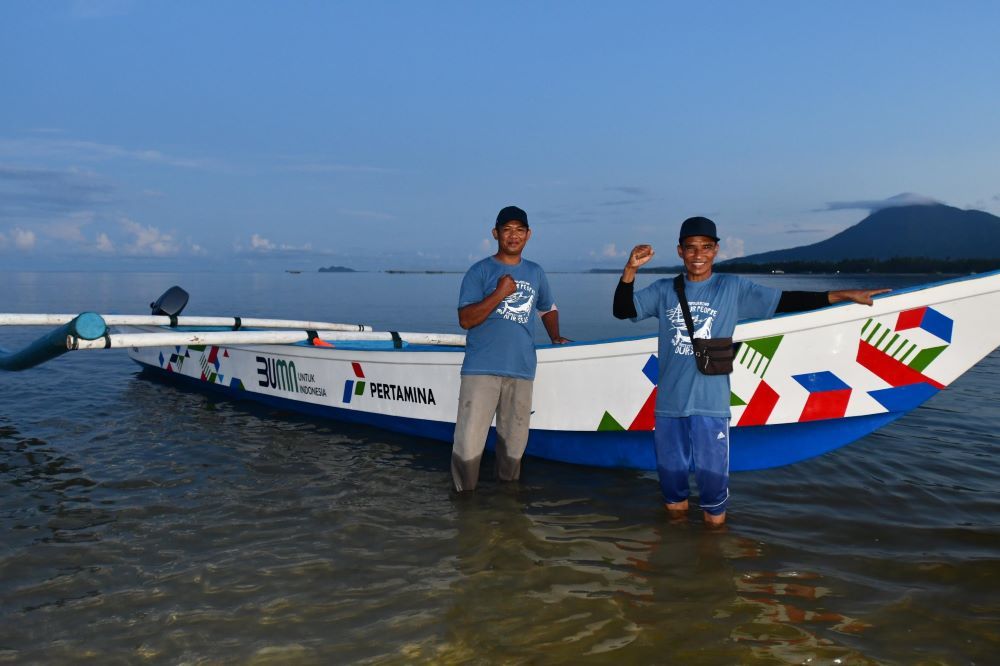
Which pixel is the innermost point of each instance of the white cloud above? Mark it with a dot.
(260, 243)
(611, 251)
(731, 248)
(325, 167)
(34, 148)
(487, 246)
(24, 239)
(104, 243)
(148, 240)
(69, 229)
(872, 205)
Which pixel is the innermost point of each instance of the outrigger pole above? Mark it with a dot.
(86, 326)
(89, 330)
(227, 338)
(166, 311)
(235, 323)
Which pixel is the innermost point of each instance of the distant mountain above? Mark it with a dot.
(934, 231)
(337, 269)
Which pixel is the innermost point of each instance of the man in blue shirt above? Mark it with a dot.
(692, 409)
(497, 304)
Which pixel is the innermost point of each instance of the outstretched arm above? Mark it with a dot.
(802, 301)
(551, 322)
(862, 296)
(475, 314)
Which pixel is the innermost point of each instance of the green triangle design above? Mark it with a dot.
(765, 346)
(609, 423)
(924, 358)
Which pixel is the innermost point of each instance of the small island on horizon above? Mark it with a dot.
(423, 272)
(336, 269)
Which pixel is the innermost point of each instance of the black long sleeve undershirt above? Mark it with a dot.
(624, 306)
(801, 301)
(790, 301)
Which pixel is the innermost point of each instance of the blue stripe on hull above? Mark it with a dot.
(751, 448)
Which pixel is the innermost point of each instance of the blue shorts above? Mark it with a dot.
(698, 443)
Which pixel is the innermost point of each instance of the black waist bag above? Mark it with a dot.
(713, 356)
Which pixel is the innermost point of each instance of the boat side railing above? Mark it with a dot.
(90, 330)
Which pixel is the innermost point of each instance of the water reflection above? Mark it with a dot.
(547, 580)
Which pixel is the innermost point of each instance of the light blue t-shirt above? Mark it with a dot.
(716, 304)
(504, 344)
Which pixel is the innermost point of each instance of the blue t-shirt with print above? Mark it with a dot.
(504, 344)
(716, 304)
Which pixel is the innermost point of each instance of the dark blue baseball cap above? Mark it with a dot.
(511, 213)
(698, 226)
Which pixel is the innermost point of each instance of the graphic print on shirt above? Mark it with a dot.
(702, 316)
(517, 306)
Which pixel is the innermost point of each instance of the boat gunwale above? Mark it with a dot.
(835, 314)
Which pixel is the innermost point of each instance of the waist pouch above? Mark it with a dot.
(714, 356)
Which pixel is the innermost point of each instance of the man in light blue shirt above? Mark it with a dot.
(692, 409)
(497, 304)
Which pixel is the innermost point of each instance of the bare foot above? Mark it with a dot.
(676, 511)
(715, 521)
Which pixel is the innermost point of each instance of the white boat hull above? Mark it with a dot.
(804, 383)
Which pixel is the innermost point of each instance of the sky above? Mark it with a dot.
(269, 136)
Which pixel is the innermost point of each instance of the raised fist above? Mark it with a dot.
(640, 255)
(506, 286)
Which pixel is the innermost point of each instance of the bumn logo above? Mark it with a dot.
(278, 374)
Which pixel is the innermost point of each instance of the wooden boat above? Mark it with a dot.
(804, 383)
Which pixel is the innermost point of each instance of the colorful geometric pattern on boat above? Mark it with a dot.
(895, 353)
(210, 360)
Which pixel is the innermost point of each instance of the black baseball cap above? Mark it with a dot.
(698, 226)
(511, 213)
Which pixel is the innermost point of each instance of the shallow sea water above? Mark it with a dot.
(144, 523)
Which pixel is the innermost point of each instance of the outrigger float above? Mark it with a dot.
(804, 383)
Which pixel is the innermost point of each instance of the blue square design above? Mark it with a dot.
(815, 382)
(652, 369)
(937, 324)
